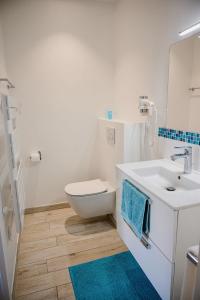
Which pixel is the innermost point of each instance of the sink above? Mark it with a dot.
(166, 179)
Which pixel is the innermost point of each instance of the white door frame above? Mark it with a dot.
(4, 290)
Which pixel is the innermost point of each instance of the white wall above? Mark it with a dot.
(63, 68)
(141, 55)
(142, 48)
(9, 246)
(145, 32)
(60, 57)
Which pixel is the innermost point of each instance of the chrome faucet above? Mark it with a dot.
(187, 155)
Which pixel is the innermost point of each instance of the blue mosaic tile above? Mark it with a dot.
(180, 135)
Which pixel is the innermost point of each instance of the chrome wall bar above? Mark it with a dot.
(192, 258)
(143, 239)
(9, 84)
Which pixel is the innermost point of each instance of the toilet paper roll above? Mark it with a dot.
(35, 156)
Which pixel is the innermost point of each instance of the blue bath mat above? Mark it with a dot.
(117, 277)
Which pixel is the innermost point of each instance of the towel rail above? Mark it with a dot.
(10, 85)
(192, 258)
(142, 240)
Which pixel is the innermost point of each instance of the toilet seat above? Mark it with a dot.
(86, 188)
(91, 198)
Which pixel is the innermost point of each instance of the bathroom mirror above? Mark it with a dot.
(183, 110)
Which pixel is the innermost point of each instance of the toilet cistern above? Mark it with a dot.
(187, 155)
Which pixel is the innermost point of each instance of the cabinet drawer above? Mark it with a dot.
(163, 221)
(155, 265)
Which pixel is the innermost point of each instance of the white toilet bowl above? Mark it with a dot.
(91, 198)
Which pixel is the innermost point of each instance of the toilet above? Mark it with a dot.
(91, 198)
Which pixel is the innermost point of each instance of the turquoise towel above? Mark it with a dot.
(135, 209)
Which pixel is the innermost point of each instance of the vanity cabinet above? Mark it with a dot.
(172, 232)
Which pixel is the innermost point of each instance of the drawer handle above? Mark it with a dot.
(145, 243)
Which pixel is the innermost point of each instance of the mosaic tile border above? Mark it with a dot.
(180, 135)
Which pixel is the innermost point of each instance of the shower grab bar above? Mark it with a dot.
(10, 85)
(192, 258)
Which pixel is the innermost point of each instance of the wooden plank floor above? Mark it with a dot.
(51, 242)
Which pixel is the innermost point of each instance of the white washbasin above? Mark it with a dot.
(171, 181)
(156, 176)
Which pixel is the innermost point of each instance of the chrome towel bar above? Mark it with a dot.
(143, 239)
(192, 258)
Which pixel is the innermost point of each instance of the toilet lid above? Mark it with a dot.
(85, 188)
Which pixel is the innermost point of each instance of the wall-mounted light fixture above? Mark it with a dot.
(191, 29)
